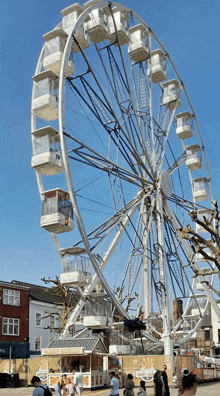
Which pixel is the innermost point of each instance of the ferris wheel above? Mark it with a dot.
(120, 160)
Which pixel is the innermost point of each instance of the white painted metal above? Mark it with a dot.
(118, 19)
(194, 158)
(201, 189)
(46, 157)
(171, 94)
(137, 48)
(74, 21)
(96, 27)
(156, 69)
(184, 128)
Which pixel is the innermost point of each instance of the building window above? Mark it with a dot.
(37, 343)
(38, 319)
(207, 334)
(10, 326)
(52, 321)
(11, 297)
(219, 336)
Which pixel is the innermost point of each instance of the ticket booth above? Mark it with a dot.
(85, 353)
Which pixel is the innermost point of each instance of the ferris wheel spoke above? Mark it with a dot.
(105, 106)
(103, 230)
(177, 163)
(99, 277)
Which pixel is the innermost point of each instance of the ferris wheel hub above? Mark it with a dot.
(166, 183)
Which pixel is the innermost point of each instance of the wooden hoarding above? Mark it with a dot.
(144, 367)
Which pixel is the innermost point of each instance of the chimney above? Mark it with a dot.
(177, 309)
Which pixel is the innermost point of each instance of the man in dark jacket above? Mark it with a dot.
(165, 380)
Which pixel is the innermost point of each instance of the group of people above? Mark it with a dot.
(63, 386)
(129, 386)
(161, 387)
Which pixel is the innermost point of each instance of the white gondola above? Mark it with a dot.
(75, 271)
(98, 312)
(201, 258)
(201, 214)
(137, 48)
(96, 26)
(156, 67)
(201, 189)
(184, 128)
(70, 17)
(47, 157)
(57, 213)
(45, 101)
(53, 52)
(194, 157)
(171, 98)
(120, 21)
(203, 271)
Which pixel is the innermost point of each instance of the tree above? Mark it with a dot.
(208, 248)
(67, 299)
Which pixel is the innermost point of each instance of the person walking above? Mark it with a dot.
(57, 387)
(142, 389)
(70, 388)
(189, 384)
(158, 385)
(114, 385)
(78, 381)
(165, 380)
(129, 386)
(39, 387)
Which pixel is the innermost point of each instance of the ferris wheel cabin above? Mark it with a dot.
(70, 16)
(137, 48)
(57, 212)
(201, 214)
(120, 21)
(45, 101)
(96, 25)
(47, 157)
(75, 268)
(156, 67)
(171, 98)
(98, 311)
(53, 52)
(184, 128)
(201, 189)
(194, 157)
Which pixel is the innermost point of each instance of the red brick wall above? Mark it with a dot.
(16, 312)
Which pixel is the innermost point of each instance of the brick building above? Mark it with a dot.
(14, 312)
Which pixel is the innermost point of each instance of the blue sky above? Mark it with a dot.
(189, 31)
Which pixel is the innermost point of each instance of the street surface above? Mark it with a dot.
(208, 389)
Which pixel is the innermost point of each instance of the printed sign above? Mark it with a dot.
(146, 375)
(62, 351)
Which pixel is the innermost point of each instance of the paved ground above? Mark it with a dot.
(208, 389)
